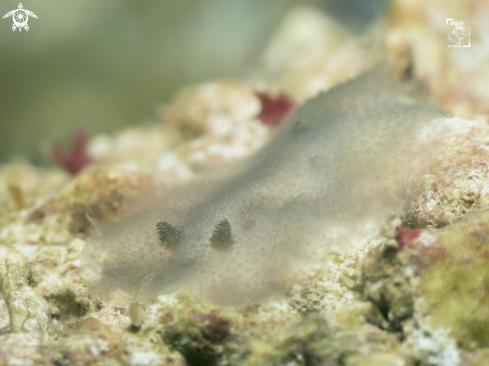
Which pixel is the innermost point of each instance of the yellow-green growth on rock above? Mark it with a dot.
(456, 287)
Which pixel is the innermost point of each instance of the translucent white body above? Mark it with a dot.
(333, 172)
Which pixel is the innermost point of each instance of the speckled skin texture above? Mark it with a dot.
(344, 159)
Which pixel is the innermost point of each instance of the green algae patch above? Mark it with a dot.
(203, 338)
(385, 277)
(315, 342)
(202, 333)
(384, 283)
(456, 286)
(319, 339)
(479, 358)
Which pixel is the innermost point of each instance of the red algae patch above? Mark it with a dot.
(274, 108)
(77, 159)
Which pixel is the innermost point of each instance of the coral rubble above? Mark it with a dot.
(417, 294)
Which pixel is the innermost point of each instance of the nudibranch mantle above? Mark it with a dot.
(337, 167)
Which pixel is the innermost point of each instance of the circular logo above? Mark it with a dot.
(20, 17)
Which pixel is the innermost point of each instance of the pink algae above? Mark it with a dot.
(75, 160)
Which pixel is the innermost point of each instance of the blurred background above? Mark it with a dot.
(107, 64)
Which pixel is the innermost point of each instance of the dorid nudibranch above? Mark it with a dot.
(169, 235)
(324, 182)
(222, 238)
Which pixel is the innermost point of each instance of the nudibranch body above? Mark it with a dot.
(338, 166)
